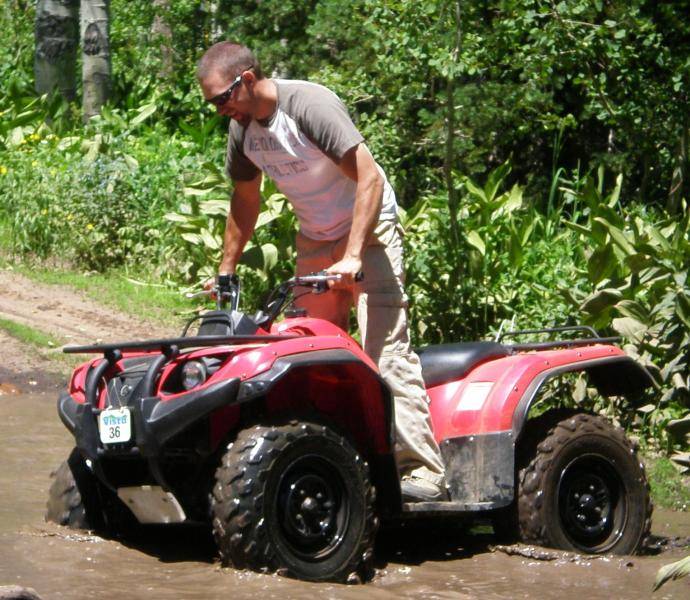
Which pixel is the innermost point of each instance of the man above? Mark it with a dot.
(301, 136)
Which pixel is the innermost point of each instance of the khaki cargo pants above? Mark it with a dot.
(382, 316)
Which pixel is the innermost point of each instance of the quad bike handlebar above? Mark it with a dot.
(318, 282)
(227, 289)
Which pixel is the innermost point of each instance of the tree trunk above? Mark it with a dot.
(161, 35)
(450, 132)
(95, 36)
(56, 35)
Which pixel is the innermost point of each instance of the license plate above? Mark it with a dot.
(115, 425)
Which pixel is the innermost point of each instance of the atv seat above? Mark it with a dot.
(447, 362)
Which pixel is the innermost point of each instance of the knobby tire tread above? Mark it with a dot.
(237, 501)
(531, 480)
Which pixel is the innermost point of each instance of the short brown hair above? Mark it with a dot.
(230, 58)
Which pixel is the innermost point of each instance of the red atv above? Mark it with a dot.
(281, 435)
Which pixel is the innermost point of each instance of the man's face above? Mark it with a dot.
(231, 98)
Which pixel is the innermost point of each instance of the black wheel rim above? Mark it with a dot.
(592, 503)
(313, 507)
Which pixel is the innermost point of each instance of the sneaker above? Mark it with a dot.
(416, 489)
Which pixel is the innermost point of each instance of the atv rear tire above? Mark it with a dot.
(73, 499)
(585, 490)
(295, 499)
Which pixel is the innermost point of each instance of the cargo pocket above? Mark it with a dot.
(382, 317)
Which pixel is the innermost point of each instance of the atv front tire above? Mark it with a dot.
(73, 499)
(296, 499)
(76, 499)
(585, 490)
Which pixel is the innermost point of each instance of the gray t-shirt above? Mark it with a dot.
(300, 147)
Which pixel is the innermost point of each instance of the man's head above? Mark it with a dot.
(228, 74)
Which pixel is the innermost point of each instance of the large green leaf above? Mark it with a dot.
(143, 113)
(679, 427)
(616, 192)
(637, 262)
(261, 258)
(601, 264)
(683, 309)
(215, 207)
(475, 191)
(600, 300)
(630, 328)
(266, 217)
(197, 191)
(617, 236)
(494, 181)
(633, 309)
(676, 570)
(474, 239)
(516, 249)
(584, 231)
(211, 241)
(192, 238)
(175, 217)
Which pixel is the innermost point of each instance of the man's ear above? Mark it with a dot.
(248, 78)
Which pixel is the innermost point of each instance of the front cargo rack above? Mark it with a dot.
(162, 345)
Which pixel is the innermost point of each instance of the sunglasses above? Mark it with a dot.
(223, 97)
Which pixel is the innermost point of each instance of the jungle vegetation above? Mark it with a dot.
(539, 151)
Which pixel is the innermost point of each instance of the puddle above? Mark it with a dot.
(419, 560)
(7, 389)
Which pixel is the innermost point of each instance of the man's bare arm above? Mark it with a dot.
(244, 211)
(359, 165)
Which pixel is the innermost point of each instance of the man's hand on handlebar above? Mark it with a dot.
(350, 271)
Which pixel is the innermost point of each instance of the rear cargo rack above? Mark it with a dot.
(594, 338)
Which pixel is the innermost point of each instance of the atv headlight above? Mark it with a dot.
(194, 373)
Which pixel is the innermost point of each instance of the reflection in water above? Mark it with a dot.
(415, 560)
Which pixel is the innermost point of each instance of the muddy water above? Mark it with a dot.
(415, 562)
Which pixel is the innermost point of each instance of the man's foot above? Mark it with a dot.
(416, 489)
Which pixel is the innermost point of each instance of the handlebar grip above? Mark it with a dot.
(225, 279)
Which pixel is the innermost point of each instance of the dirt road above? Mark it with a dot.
(415, 562)
(65, 314)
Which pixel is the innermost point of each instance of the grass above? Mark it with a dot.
(46, 345)
(670, 489)
(29, 335)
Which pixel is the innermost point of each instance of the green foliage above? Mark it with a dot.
(668, 487)
(504, 266)
(200, 221)
(97, 199)
(636, 284)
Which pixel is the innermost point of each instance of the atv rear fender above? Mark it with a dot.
(478, 419)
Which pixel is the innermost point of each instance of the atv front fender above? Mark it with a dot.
(337, 387)
(334, 383)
